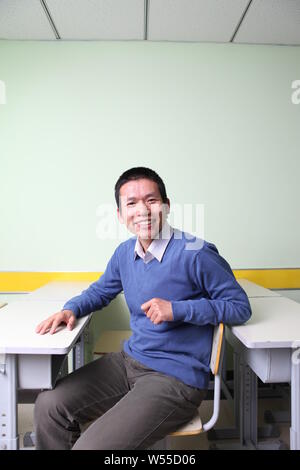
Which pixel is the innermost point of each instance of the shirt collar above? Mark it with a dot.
(158, 245)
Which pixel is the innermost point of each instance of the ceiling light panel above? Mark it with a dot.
(271, 22)
(24, 19)
(194, 20)
(98, 19)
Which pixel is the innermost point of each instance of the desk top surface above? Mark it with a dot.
(59, 290)
(65, 290)
(254, 290)
(18, 321)
(275, 323)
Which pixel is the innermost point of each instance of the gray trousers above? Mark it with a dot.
(131, 406)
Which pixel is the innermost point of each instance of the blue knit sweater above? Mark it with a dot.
(203, 291)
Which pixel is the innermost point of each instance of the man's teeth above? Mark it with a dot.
(146, 222)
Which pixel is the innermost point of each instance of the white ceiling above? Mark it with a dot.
(238, 21)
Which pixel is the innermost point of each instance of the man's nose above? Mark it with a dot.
(142, 208)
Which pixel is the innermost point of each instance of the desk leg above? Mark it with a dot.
(248, 406)
(237, 390)
(230, 433)
(9, 440)
(248, 414)
(295, 403)
(78, 353)
(245, 407)
(79, 349)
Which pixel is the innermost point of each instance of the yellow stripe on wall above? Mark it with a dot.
(29, 281)
(271, 278)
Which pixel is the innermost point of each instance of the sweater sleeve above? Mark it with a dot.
(223, 299)
(100, 293)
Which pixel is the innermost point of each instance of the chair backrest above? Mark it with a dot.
(195, 426)
(216, 352)
(216, 368)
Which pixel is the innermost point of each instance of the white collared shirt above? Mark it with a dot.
(158, 245)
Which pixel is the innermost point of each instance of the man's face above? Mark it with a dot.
(142, 209)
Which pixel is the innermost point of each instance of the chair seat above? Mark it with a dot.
(193, 427)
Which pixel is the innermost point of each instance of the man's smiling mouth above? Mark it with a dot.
(144, 222)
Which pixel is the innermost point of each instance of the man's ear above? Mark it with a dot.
(120, 216)
(167, 206)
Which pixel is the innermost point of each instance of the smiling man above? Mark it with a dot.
(175, 296)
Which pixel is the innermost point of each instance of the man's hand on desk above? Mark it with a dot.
(52, 323)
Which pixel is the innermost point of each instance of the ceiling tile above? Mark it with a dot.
(24, 19)
(194, 20)
(98, 19)
(271, 22)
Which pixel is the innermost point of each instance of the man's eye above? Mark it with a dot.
(130, 204)
(151, 200)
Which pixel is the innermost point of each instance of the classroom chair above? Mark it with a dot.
(195, 426)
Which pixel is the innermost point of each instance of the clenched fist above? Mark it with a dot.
(158, 310)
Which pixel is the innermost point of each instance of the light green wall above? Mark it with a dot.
(216, 121)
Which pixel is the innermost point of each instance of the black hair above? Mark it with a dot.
(137, 173)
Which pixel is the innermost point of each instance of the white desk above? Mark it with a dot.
(254, 290)
(59, 290)
(63, 291)
(28, 360)
(267, 346)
